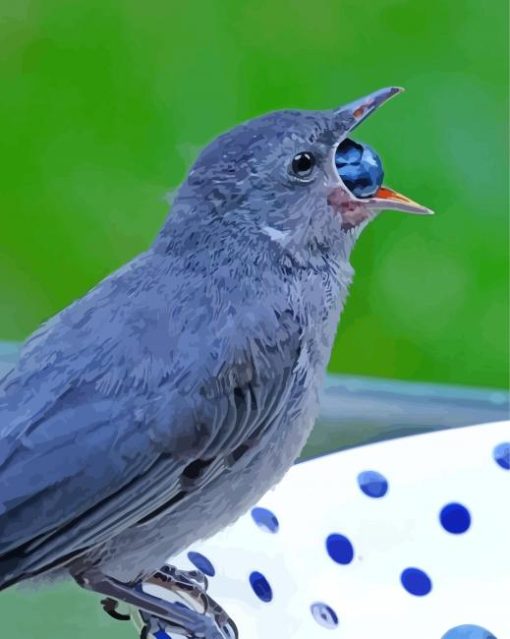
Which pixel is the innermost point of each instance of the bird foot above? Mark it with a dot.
(191, 586)
(210, 621)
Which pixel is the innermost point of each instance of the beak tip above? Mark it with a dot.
(386, 198)
(425, 211)
(392, 91)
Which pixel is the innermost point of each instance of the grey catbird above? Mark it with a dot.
(159, 407)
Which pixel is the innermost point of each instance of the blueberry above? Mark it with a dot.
(359, 167)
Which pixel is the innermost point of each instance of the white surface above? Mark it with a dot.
(470, 572)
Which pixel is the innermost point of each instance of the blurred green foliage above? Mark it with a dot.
(105, 104)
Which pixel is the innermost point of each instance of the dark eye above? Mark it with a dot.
(302, 164)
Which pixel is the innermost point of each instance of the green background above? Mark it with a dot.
(104, 104)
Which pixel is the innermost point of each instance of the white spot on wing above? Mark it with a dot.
(275, 234)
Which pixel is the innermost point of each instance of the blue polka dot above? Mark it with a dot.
(339, 549)
(373, 483)
(468, 631)
(261, 586)
(202, 563)
(455, 518)
(416, 582)
(501, 454)
(324, 615)
(265, 519)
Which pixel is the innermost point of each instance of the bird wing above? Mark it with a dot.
(86, 452)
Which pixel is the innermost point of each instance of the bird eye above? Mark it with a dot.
(302, 164)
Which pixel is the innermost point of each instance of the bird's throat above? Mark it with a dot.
(352, 213)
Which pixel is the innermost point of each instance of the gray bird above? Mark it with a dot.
(158, 408)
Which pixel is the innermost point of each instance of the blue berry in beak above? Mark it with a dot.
(359, 167)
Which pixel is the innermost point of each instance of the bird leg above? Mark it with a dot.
(178, 618)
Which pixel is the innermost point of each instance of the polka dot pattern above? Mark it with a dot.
(265, 520)
(324, 615)
(339, 549)
(202, 563)
(468, 631)
(501, 454)
(261, 587)
(455, 518)
(373, 484)
(416, 582)
(450, 517)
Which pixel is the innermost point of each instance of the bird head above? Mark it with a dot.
(297, 176)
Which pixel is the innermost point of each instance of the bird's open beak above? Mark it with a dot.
(386, 198)
(352, 115)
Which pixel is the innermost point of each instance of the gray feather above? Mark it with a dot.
(99, 426)
(157, 408)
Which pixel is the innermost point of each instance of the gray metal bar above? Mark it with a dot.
(357, 411)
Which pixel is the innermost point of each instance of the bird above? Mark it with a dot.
(158, 408)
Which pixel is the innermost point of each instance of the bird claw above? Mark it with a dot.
(191, 586)
(199, 618)
(182, 577)
(110, 607)
(159, 615)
